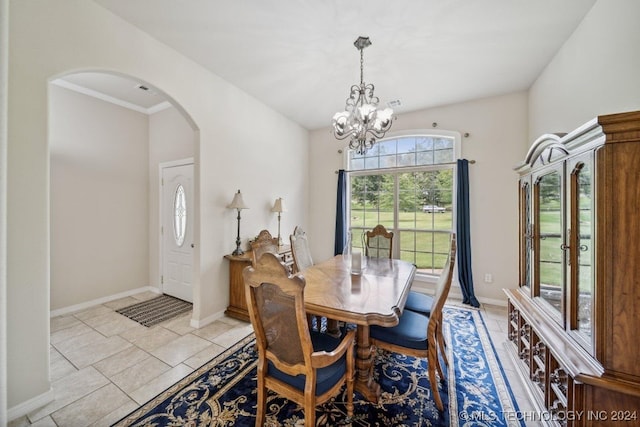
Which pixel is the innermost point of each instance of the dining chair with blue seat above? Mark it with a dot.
(304, 366)
(419, 302)
(378, 243)
(417, 334)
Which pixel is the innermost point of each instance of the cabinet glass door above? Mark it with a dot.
(549, 245)
(581, 244)
(526, 233)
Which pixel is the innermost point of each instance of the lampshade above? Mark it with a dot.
(237, 202)
(279, 206)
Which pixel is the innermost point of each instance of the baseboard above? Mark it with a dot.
(30, 405)
(455, 293)
(199, 323)
(89, 304)
(493, 301)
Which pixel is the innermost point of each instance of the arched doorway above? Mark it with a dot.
(108, 135)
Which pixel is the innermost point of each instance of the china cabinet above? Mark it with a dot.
(574, 319)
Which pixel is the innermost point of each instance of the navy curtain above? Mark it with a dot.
(463, 238)
(341, 214)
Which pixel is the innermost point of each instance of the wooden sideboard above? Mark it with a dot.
(237, 301)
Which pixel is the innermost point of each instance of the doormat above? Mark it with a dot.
(156, 310)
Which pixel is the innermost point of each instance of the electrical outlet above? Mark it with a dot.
(488, 278)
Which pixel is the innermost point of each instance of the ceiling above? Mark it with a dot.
(297, 56)
(124, 91)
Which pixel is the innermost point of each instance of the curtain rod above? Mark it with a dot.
(407, 167)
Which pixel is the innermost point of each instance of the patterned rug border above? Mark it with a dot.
(456, 417)
(184, 382)
(503, 388)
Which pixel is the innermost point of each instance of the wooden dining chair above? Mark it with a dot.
(378, 243)
(416, 334)
(301, 261)
(264, 243)
(300, 250)
(306, 367)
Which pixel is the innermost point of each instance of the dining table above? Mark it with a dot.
(376, 295)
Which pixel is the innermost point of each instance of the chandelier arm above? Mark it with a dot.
(369, 96)
(361, 147)
(377, 134)
(345, 136)
(353, 98)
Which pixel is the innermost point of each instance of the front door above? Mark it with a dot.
(177, 231)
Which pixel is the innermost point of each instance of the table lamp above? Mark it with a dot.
(279, 207)
(238, 204)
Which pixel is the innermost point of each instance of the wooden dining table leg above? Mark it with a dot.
(365, 383)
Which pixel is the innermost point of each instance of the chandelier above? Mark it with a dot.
(361, 121)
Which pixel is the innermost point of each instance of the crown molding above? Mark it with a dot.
(107, 98)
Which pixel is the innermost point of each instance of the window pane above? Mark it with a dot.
(425, 158)
(371, 162)
(441, 143)
(416, 206)
(406, 145)
(356, 164)
(408, 159)
(424, 143)
(381, 148)
(427, 250)
(179, 215)
(388, 161)
(406, 151)
(408, 243)
(443, 156)
(354, 155)
(436, 188)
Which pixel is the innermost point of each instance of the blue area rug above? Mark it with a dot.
(223, 391)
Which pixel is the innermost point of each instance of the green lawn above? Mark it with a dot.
(551, 255)
(427, 249)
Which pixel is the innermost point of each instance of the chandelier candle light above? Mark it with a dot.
(279, 207)
(361, 121)
(238, 204)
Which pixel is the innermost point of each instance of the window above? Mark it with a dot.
(179, 215)
(406, 184)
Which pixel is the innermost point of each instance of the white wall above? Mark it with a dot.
(597, 71)
(498, 140)
(4, 45)
(170, 138)
(99, 210)
(48, 39)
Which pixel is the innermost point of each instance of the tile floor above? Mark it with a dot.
(104, 365)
